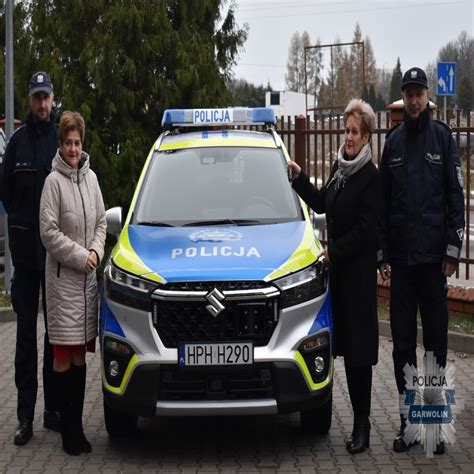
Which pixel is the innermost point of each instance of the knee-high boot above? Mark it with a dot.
(359, 382)
(63, 384)
(79, 387)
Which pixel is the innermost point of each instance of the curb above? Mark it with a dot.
(457, 341)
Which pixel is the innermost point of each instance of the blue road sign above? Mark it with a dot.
(446, 79)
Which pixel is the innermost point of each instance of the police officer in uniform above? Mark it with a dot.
(27, 162)
(421, 231)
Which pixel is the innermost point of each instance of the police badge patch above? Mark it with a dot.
(460, 176)
(460, 233)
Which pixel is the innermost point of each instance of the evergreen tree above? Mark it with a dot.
(372, 97)
(120, 64)
(246, 94)
(21, 56)
(380, 104)
(396, 83)
(365, 93)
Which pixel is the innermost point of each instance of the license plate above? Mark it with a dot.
(230, 353)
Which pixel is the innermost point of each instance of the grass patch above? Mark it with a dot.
(458, 322)
(5, 301)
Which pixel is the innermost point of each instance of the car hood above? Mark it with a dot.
(213, 253)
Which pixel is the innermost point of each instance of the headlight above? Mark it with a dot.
(127, 289)
(304, 285)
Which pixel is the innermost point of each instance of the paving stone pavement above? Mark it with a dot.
(263, 444)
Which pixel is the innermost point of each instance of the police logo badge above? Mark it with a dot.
(460, 176)
(460, 233)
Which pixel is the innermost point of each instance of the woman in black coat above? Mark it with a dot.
(350, 200)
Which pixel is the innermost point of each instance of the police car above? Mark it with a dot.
(215, 299)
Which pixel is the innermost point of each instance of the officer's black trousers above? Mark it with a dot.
(412, 287)
(25, 289)
(359, 383)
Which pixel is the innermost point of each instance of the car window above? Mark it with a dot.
(199, 184)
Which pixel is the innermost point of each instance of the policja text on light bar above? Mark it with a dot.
(218, 116)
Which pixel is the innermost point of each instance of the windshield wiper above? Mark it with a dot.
(221, 222)
(155, 223)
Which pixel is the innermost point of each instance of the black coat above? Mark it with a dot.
(421, 175)
(26, 164)
(351, 215)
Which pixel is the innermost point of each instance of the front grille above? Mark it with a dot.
(189, 321)
(220, 285)
(215, 383)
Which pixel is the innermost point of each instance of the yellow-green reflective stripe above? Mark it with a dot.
(212, 142)
(304, 368)
(126, 258)
(305, 254)
(126, 375)
(123, 254)
(138, 186)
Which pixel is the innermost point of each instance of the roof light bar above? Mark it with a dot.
(228, 116)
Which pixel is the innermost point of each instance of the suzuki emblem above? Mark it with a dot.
(215, 297)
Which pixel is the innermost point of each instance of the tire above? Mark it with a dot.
(119, 424)
(317, 420)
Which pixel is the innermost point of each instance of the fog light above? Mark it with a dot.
(113, 368)
(319, 364)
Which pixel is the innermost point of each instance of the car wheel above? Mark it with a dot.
(119, 424)
(317, 420)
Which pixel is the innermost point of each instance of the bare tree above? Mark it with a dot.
(460, 51)
(295, 65)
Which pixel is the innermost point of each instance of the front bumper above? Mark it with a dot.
(277, 387)
(149, 382)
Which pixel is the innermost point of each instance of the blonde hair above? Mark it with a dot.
(71, 121)
(364, 111)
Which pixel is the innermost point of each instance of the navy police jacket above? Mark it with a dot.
(422, 188)
(26, 164)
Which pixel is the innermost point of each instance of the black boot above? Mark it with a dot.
(23, 432)
(360, 438)
(79, 387)
(399, 445)
(439, 448)
(63, 383)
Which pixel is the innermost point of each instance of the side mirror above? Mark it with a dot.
(114, 221)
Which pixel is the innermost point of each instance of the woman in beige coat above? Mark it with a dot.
(73, 229)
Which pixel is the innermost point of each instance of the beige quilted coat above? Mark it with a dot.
(72, 222)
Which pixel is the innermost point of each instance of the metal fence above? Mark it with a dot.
(313, 141)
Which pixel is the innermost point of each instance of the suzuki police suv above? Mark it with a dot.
(215, 300)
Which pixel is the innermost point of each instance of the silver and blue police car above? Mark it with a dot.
(215, 299)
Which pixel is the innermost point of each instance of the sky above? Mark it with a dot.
(413, 30)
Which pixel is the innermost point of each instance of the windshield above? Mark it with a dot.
(205, 186)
